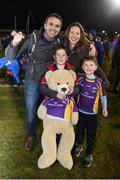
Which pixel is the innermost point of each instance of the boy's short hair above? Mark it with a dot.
(90, 58)
(56, 48)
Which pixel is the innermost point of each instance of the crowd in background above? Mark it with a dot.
(107, 49)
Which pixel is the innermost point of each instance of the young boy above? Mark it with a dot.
(60, 62)
(91, 89)
(60, 58)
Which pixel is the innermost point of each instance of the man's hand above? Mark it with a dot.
(17, 39)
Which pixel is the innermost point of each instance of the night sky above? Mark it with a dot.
(97, 14)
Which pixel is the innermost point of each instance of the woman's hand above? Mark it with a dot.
(92, 51)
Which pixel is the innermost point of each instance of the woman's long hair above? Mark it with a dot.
(83, 40)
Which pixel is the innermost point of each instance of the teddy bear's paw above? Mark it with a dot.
(67, 162)
(44, 162)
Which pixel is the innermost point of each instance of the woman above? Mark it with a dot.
(78, 47)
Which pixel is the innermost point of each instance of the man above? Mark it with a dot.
(38, 61)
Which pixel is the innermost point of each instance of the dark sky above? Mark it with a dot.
(90, 13)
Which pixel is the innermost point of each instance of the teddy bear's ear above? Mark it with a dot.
(48, 75)
(73, 74)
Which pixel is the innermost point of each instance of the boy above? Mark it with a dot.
(91, 88)
(60, 62)
(60, 58)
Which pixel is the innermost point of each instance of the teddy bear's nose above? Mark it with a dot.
(63, 89)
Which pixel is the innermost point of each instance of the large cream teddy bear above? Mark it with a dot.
(58, 117)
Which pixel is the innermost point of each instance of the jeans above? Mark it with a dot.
(32, 92)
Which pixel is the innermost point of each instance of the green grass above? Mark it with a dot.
(16, 163)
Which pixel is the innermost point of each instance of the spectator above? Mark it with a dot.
(116, 80)
(60, 62)
(98, 45)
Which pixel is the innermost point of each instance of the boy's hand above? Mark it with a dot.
(105, 112)
(60, 96)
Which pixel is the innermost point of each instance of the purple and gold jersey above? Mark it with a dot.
(60, 109)
(90, 92)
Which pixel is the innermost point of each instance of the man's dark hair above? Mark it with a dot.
(54, 15)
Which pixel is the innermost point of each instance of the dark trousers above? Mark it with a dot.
(87, 124)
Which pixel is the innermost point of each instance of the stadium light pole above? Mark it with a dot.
(15, 23)
(28, 22)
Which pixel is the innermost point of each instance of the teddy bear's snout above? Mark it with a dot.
(63, 89)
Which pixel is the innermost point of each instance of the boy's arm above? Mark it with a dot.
(104, 105)
(75, 91)
(46, 91)
(103, 98)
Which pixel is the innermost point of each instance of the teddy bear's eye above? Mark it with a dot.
(58, 83)
(67, 83)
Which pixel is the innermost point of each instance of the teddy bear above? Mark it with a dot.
(58, 117)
